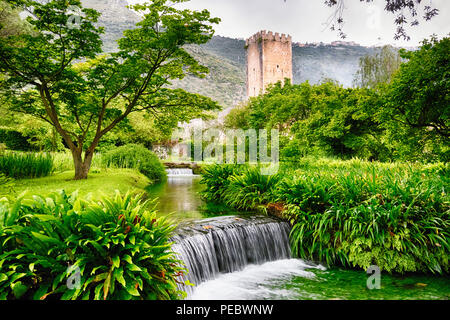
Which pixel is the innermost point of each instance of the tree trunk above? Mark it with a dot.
(82, 167)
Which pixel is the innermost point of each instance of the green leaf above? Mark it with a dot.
(68, 295)
(45, 238)
(116, 261)
(131, 289)
(19, 289)
(98, 291)
(118, 274)
(100, 277)
(106, 286)
(127, 258)
(41, 291)
(94, 270)
(45, 217)
(133, 267)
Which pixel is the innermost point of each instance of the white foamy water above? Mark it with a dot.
(254, 282)
(230, 245)
(180, 172)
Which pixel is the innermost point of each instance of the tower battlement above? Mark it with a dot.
(269, 60)
(269, 36)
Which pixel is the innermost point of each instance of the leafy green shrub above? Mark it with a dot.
(238, 186)
(26, 165)
(135, 156)
(352, 213)
(396, 218)
(250, 189)
(309, 193)
(14, 140)
(216, 179)
(63, 247)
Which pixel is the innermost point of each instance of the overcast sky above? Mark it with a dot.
(305, 20)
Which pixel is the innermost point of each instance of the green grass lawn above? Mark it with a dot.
(100, 182)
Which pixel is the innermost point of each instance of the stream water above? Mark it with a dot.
(235, 256)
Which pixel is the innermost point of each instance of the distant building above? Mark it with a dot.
(344, 43)
(269, 60)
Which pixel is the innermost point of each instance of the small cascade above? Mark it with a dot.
(227, 244)
(179, 172)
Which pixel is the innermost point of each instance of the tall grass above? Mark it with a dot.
(32, 165)
(26, 165)
(63, 161)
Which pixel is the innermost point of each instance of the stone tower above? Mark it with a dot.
(269, 60)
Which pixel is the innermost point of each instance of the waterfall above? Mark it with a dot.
(228, 244)
(179, 172)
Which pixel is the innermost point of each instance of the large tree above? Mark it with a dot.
(377, 68)
(418, 96)
(57, 73)
(10, 22)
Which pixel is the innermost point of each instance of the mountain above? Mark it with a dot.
(327, 61)
(115, 18)
(225, 83)
(227, 58)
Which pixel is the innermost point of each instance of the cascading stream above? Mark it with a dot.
(223, 245)
(179, 172)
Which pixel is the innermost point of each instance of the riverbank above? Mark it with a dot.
(255, 277)
(350, 213)
(100, 182)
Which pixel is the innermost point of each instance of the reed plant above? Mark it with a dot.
(26, 165)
